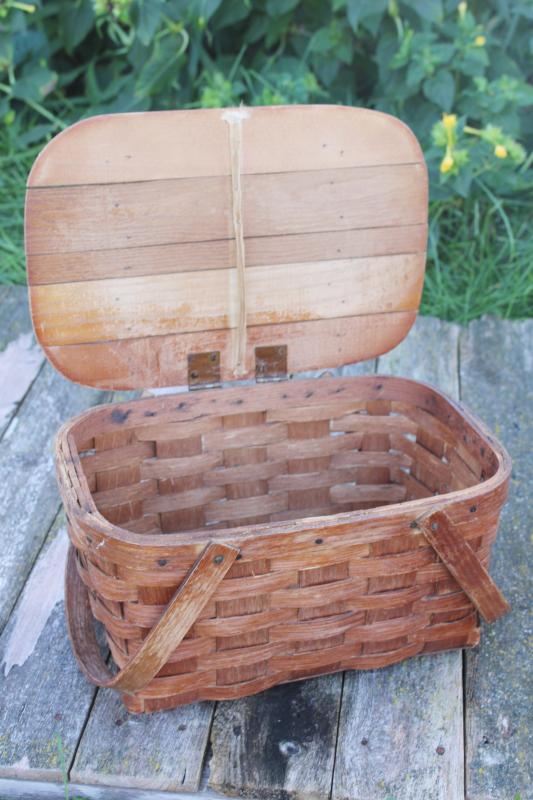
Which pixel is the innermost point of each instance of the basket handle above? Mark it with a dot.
(181, 613)
(462, 562)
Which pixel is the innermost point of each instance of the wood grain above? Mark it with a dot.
(124, 308)
(162, 360)
(391, 742)
(162, 752)
(29, 499)
(220, 254)
(139, 249)
(465, 566)
(497, 381)
(138, 147)
(44, 700)
(81, 218)
(279, 745)
(20, 358)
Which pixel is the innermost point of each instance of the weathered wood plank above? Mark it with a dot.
(497, 383)
(153, 751)
(400, 732)
(44, 699)
(20, 357)
(401, 728)
(29, 500)
(280, 743)
(41, 790)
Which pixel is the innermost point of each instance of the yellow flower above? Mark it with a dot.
(480, 40)
(462, 9)
(449, 121)
(446, 163)
(500, 151)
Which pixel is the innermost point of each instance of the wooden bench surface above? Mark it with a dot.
(426, 728)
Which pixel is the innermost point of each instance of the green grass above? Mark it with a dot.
(480, 259)
(14, 167)
(480, 251)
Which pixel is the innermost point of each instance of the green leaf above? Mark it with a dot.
(279, 7)
(358, 10)
(146, 15)
(35, 85)
(160, 68)
(440, 89)
(230, 12)
(6, 49)
(415, 73)
(442, 52)
(320, 41)
(77, 19)
(430, 10)
(36, 134)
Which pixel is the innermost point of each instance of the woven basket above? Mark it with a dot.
(233, 539)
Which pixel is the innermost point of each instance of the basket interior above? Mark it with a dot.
(275, 464)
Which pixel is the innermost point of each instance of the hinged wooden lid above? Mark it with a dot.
(154, 236)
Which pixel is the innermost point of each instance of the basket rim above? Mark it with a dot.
(68, 460)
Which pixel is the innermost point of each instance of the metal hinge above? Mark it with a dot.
(204, 370)
(271, 363)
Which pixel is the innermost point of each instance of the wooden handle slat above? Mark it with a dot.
(457, 555)
(180, 615)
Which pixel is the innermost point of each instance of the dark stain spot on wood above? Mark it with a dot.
(473, 509)
(378, 387)
(440, 750)
(285, 395)
(150, 413)
(237, 402)
(182, 727)
(58, 716)
(309, 393)
(162, 562)
(319, 541)
(182, 406)
(119, 416)
(237, 730)
(340, 389)
(119, 722)
(364, 741)
(291, 718)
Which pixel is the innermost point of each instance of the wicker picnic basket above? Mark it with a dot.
(230, 539)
